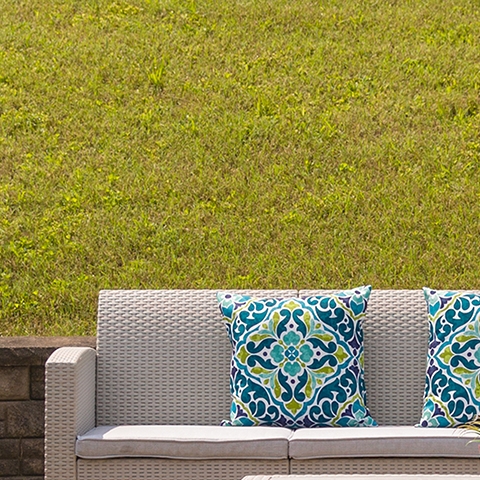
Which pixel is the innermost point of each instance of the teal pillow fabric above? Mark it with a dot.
(452, 389)
(297, 362)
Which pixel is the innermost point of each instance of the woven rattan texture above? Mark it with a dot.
(165, 469)
(391, 466)
(395, 346)
(163, 357)
(403, 476)
(69, 407)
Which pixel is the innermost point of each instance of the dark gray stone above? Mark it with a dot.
(9, 448)
(3, 414)
(25, 419)
(32, 466)
(21, 419)
(9, 467)
(37, 382)
(32, 447)
(14, 383)
(36, 350)
(26, 478)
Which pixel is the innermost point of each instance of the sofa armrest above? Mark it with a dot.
(69, 407)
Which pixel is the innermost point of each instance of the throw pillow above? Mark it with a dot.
(297, 362)
(452, 389)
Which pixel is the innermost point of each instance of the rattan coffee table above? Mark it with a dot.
(361, 477)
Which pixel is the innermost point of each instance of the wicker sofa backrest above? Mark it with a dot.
(163, 356)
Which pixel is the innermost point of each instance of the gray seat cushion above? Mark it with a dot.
(398, 441)
(184, 442)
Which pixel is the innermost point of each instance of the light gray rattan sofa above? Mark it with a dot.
(148, 403)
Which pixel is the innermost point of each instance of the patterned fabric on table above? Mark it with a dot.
(297, 362)
(452, 390)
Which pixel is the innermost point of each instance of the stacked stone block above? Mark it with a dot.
(22, 400)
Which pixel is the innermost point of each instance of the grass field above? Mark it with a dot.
(221, 144)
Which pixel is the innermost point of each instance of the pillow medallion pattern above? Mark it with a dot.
(297, 362)
(452, 388)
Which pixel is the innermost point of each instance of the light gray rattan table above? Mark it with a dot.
(361, 477)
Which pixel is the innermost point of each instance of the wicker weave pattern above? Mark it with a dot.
(392, 466)
(69, 407)
(403, 476)
(157, 468)
(163, 357)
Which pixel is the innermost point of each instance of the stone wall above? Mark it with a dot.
(22, 394)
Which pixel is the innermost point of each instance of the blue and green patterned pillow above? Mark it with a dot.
(297, 362)
(452, 389)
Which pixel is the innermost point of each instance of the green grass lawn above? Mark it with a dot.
(233, 144)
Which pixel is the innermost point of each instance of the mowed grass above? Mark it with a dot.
(233, 144)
